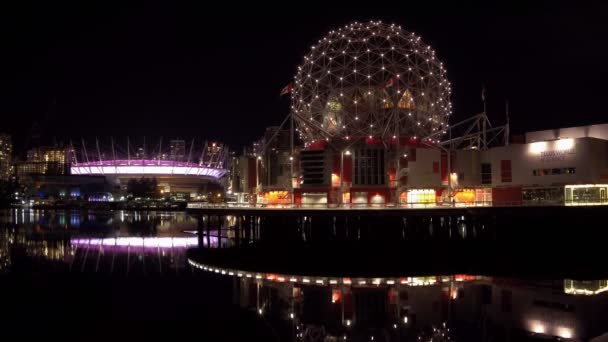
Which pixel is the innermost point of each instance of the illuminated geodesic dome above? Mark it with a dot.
(370, 79)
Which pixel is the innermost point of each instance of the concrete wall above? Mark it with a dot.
(468, 163)
(421, 173)
(592, 131)
(588, 155)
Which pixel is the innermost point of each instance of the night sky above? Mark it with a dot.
(215, 73)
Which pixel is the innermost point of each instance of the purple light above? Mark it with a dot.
(147, 242)
(144, 167)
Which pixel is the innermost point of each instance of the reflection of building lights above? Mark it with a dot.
(404, 319)
(538, 328)
(564, 332)
(336, 295)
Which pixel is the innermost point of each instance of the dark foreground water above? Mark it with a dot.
(126, 275)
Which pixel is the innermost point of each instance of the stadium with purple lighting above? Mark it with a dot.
(176, 168)
(146, 167)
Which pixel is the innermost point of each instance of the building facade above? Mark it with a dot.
(6, 153)
(559, 166)
(48, 160)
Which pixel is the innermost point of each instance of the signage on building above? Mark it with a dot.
(553, 151)
(554, 156)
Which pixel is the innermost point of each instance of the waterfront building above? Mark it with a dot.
(6, 155)
(374, 119)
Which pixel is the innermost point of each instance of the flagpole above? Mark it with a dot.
(485, 115)
(483, 97)
(507, 126)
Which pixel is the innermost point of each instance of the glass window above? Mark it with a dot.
(486, 173)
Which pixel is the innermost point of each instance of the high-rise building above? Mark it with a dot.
(6, 152)
(177, 150)
(51, 160)
(214, 155)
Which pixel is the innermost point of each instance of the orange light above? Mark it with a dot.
(465, 196)
(277, 197)
(335, 180)
(454, 293)
(335, 296)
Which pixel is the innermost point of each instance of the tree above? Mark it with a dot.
(143, 187)
(8, 188)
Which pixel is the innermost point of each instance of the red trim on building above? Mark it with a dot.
(317, 145)
(371, 141)
(506, 175)
(435, 167)
(335, 165)
(251, 174)
(348, 168)
(507, 195)
(444, 167)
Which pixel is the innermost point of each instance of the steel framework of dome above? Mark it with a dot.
(370, 80)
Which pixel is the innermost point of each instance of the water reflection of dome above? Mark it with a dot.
(429, 308)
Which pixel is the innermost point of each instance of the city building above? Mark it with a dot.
(6, 155)
(176, 175)
(47, 160)
(379, 136)
(177, 150)
(214, 155)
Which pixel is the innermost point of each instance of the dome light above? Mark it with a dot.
(427, 88)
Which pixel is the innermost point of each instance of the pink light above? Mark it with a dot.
(144, 167)
(122, 242)
(147, 242)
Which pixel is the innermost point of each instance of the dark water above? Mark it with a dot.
(116, 272)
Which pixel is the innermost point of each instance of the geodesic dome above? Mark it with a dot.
(370, 80)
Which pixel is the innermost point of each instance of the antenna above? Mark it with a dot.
(160, 150)
(98, 151)
(190, 153)
(113, 151)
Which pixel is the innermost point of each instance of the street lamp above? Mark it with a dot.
(347, 152)
(291, 178)
(257, 174)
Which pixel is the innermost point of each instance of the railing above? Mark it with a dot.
(200, 205)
